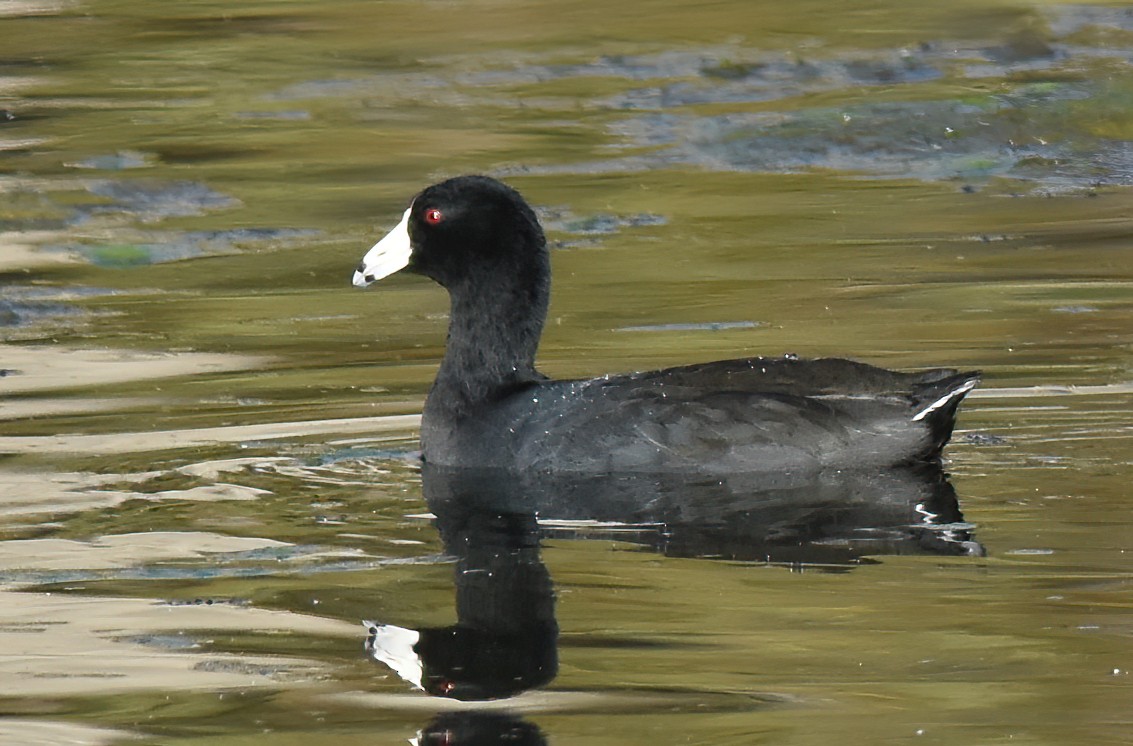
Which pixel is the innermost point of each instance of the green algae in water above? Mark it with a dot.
(120, 255)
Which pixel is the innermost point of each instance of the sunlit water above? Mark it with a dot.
(208, 482)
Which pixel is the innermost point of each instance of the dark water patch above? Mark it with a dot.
(738, 75)
(1039, 131)
(591, 227)
(366, 455)
(1070, 20)
(22, 306)
(156, 200)
(25, 313)
(668, 64)
(162, 642)
(751, 78)
(732, 73)
(220, 566)
(708, 326)
(983, 439)
(238, 236)
(238, 602)
(171, 247)
(1042, 131)
(1031, 134)
(925, 140)
(238, 401)
(675, 78)
(244, 668)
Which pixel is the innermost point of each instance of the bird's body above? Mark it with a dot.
(489, 406)
(727, 416)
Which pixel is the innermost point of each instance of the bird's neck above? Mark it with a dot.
(493, 335)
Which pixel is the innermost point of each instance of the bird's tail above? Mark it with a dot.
(935, 402)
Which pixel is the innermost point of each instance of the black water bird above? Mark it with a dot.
(490, 406)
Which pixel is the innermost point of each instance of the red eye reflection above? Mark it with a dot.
(433, 216)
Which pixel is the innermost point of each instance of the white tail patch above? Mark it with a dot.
(954, 394)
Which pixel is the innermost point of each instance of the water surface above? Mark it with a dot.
(207, 478)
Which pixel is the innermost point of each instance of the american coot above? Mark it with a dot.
(489, 406)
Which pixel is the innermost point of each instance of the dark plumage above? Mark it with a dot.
(489, 406)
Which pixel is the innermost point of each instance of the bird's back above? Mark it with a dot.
(747, 415)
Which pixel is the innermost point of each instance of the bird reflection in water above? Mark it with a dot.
(476, 728)
(491, 521)
(504, 641)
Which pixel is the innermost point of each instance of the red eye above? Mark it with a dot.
(433, 216)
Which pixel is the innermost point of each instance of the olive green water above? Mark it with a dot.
(193, 520)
